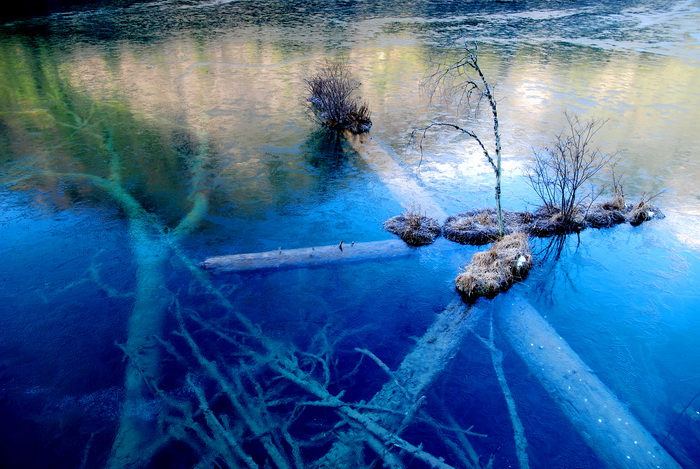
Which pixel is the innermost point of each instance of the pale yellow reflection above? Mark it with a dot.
(247, 93)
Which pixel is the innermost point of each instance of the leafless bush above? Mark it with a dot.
(332, 99)
(561, 170)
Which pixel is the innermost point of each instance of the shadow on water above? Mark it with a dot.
(326, 150)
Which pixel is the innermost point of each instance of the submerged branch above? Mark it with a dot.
(518, 429)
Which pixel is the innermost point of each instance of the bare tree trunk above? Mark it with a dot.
(137, 429)
(497, 138)
(465, 87)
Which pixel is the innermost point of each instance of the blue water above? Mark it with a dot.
(186, 97)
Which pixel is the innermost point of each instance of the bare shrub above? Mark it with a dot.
(562, 169)
(331, 97)
(493, 271)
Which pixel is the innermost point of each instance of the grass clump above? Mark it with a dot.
(479, 227)
(642, 211)
(496, 270)
(608, 213)
(415, 229)
(476, 227)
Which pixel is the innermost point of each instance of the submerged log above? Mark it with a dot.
(607, 426)
(429, 357)
(404, 392)
(403, 187)
(307, 257)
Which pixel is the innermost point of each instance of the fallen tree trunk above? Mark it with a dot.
(608, 427)
(136, 434)
(307, 257)
(429, 357)
(404, 392)
(404, 187)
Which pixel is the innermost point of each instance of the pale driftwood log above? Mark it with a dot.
(607, 426)
(308, 257)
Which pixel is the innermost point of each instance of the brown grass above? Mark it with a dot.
(640, 212)
(616, 203)
(415, 229)
(485, 218)
(475, 227)
(493, 271)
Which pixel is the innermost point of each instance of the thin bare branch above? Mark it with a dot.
(456, 80)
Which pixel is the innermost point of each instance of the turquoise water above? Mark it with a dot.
(116, 124)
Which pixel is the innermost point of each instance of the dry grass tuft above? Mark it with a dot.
(640, 212)
(604, 216)
(616, 203)
(476, 227)
(415, 229)
(493, 271)
(608, 213)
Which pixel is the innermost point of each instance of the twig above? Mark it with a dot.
(212, 370)
(386, 370)
(675, 422)
(217, 429)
